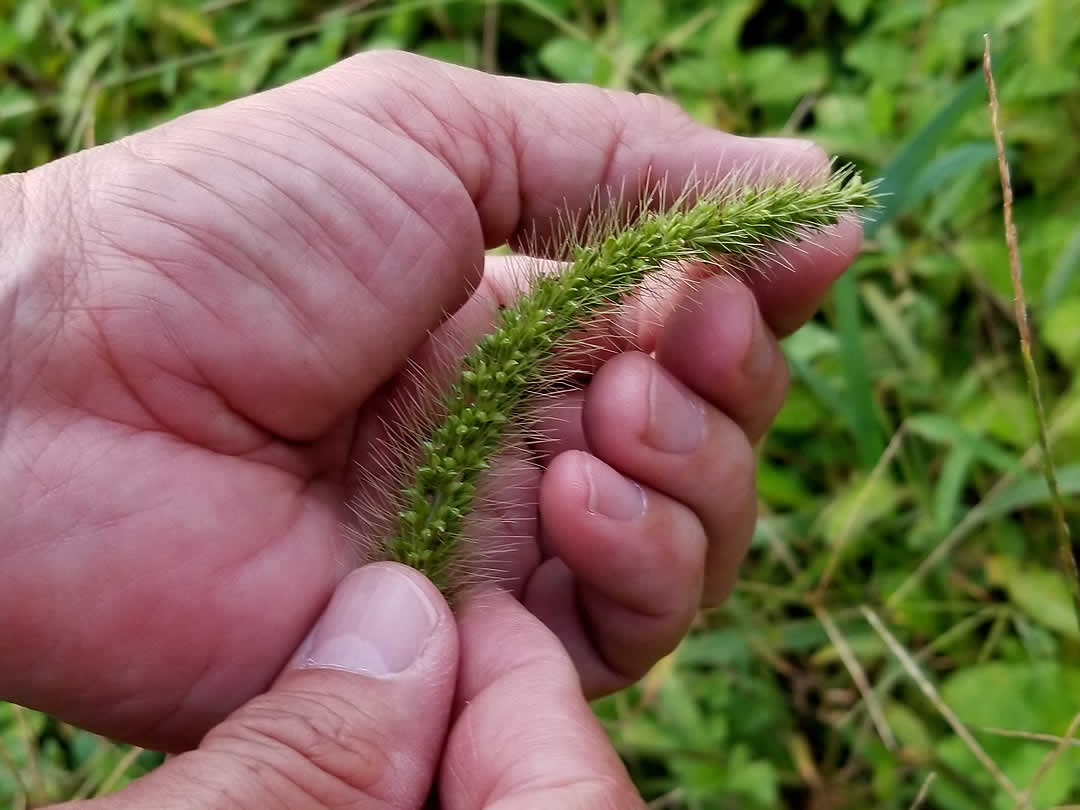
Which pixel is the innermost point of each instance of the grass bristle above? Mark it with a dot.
(608, 259)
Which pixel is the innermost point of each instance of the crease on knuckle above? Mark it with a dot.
(310, 744)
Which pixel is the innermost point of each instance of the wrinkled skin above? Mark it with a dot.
(200, 324)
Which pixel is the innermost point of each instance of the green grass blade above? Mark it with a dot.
(897, 189)
(860, 393)
(1067, 267)
(896, 184)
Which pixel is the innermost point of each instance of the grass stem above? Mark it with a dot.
(1061, 526)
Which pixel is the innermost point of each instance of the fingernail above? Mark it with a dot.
(676, 417)
(611, 494)
(377, 623)
(758, 361)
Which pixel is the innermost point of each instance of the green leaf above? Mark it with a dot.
(189, 24)
(950, 487)
(896, 331)
(1025, 696)
(800, 412)
(1042, 594)
(1029, 492)
(1066, 268)
(853, 10)
(575, 60)
(79, 76)
(779, 486)
(860, 397)
(820, 387)
(946, 169)
(1061, 331)
(15, 102)
(1006, 414)
(919, 149)
(777, 77)
(909, 728)
(29, 17)
(858, 506)
(943, 430)
(756, 780)
(455, 51)
(722, 34)
(880, 58)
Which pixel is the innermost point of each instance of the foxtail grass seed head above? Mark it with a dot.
(511, 366)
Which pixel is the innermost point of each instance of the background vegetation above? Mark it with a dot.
(903, 473)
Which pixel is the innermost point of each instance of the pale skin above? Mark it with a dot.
(199, 326)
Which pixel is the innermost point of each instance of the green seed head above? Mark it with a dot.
(513, 364)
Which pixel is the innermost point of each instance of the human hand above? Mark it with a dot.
(201, 324)
(365, 716)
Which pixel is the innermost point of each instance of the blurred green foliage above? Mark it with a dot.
(908, 432)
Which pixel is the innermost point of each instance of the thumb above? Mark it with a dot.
(357, 719)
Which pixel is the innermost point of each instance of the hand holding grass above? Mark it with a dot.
(203, 325)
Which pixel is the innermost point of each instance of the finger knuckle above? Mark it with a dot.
(316, 745)
(736, 476)
(680, 547)
(609, 794)
(654, 105)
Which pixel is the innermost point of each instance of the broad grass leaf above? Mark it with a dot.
(1061, 331)
(779, 486)
(1039, 83)
(1005, 414)
(867, 647)
(810, 342)
(950, 488)
(920, 148)
(858, 506)
(1030, 492)
(1041, 593)
(897, 331)
(29, 16)
(79, 76)
(801, 413)
(941, 429)
(910, 729)
(1065, 270)
(1026, 696)
(256, 67)
(189, 23)
(946, 169)
(754, 779)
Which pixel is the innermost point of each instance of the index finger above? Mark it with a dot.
(524, 736)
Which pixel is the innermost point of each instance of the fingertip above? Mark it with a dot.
(382, 620)
(720, 346)
(790, 287)
(525, 736)
(798, 157)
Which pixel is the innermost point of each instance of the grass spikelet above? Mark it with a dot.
(516, 363)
